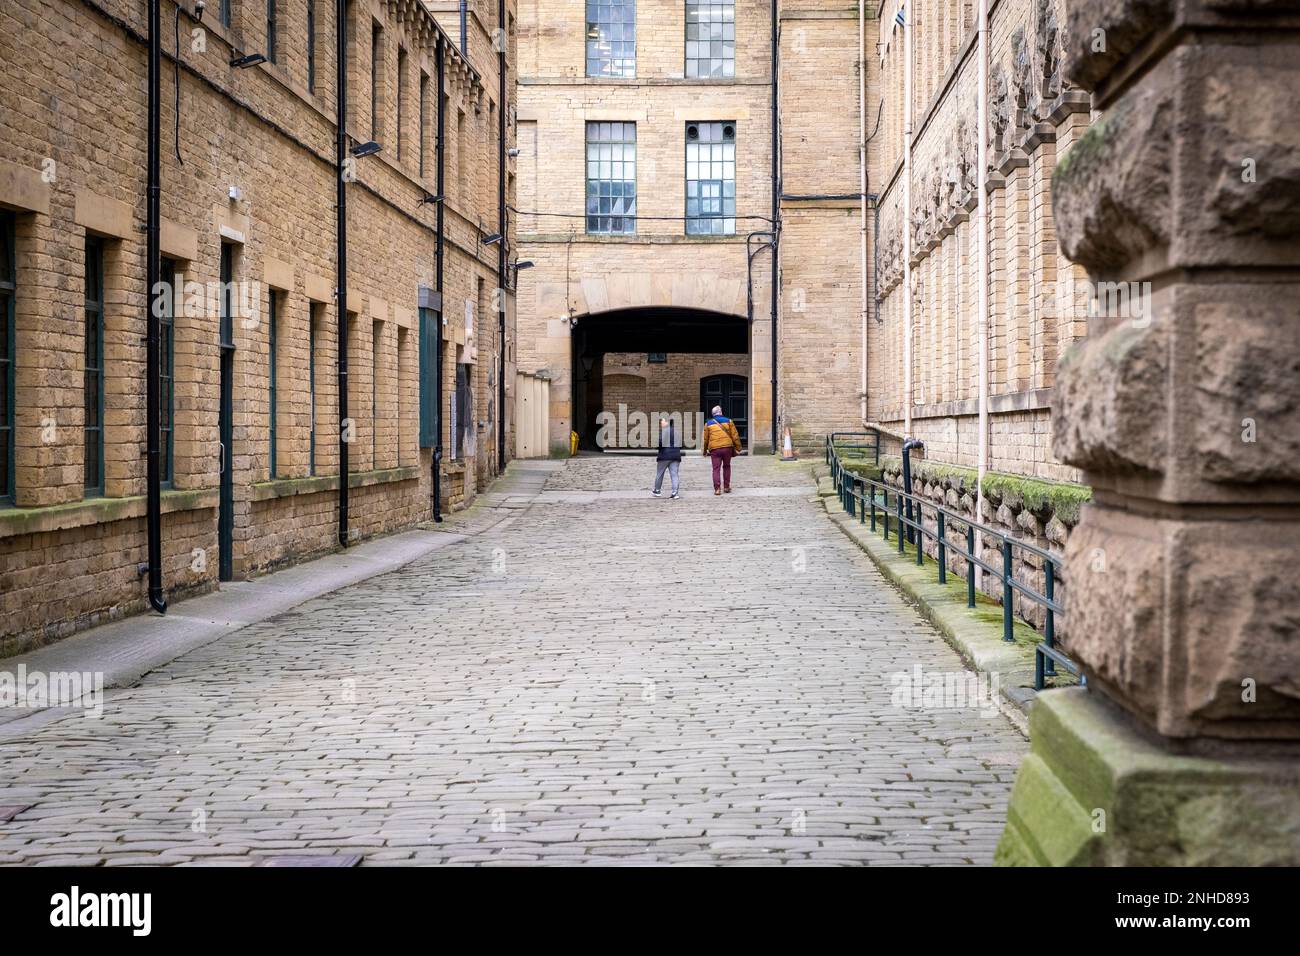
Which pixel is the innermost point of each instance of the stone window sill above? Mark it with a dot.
(77, 514)
(287, 487)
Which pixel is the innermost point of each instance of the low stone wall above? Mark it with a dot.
(1040, 513)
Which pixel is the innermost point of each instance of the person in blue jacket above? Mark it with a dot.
(669, 458)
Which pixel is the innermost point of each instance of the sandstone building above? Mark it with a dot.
(645, 145)
(250, 434)
(616, 109)
(878, 317)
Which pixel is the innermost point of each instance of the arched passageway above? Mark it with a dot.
(632, 365)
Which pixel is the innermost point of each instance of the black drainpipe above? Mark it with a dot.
(776, 219)
(463, 37)
(439, 56)
(154, 294)
(501, 229)
(908, 445)
(341, 216)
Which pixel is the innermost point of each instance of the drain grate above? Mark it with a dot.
(336, 859)
(7, 813)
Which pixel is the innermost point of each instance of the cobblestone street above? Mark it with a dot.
(598, 677)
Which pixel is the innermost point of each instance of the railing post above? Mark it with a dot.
(898, 500)
(860, 486)
(1007, 634)
(920, 537)
(1049, 626)
(873, 510)
(943, 550)
(1038, 669)
(970, 565)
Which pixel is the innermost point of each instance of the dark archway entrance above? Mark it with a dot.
(655, 361)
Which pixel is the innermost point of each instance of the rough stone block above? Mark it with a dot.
(1188, 623)
(1094, 792)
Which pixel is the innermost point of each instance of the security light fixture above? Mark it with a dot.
(491, 239)
(430, 199)
(525, 264)
(365, 149)
(247, 60)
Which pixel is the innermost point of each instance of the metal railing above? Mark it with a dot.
(852, 441)
(869, 500)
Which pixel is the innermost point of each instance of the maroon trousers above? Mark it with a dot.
(722, 463)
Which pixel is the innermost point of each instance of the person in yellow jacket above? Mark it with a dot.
(721, 442)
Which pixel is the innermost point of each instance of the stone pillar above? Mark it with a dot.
(1184, 413)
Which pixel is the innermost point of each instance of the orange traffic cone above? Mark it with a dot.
(787, 453)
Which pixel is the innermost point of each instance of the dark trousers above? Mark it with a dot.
(722, 463)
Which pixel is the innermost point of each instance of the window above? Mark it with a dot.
(462, 174)
(424, 117)
(710, 179)
(611, 37)
(314, 320)
(376, 57)
(226, 322)
(401, 100)
(400, 415)
(273, 332)
(270, 30)
(430, 332)
(170, 273)
(311, 46)
(611, 178)
(93, 381)
(462, 423)
(710, 39)
(8, 336)
(223, 14)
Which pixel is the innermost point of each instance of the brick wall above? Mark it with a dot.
(1034, 311)
(72, 163)
(630, 380)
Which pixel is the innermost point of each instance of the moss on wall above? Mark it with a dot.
(1044, 498)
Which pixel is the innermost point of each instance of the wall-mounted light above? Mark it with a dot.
(491, 239)
(430, 199)
(525, 264)
(247, 60)
(512, 152)
(365, 149)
